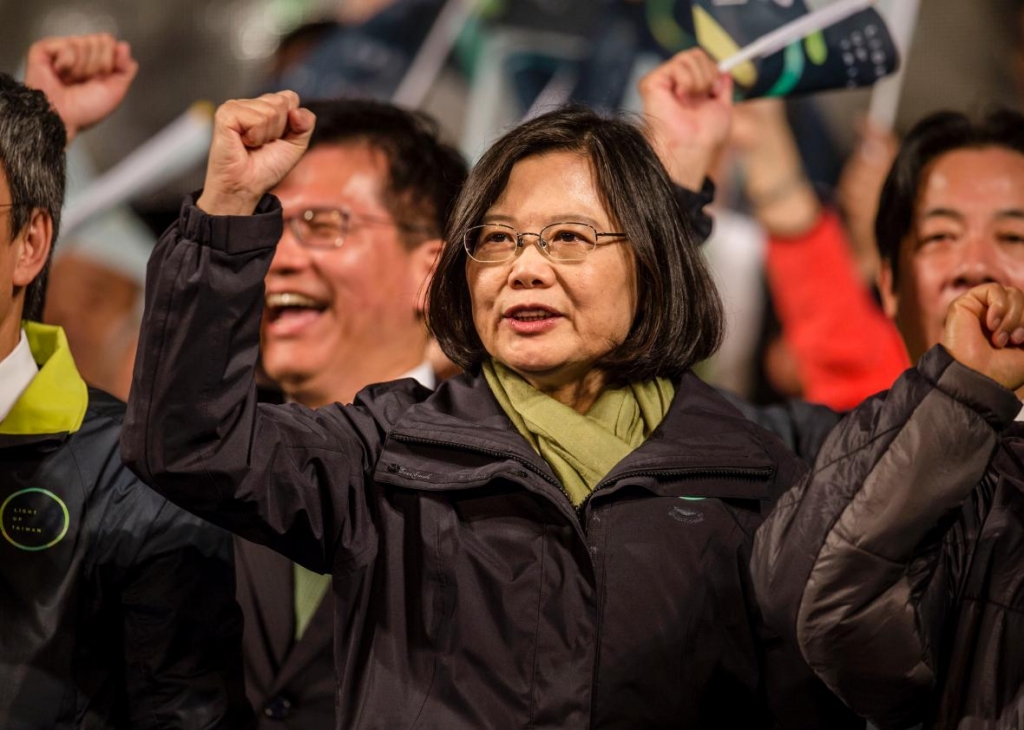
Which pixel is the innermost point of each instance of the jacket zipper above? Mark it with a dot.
(759, 473)
(696, 472)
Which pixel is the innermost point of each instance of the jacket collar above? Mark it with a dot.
(460, 438)
(55, 401)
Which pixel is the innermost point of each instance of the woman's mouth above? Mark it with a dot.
(531, 315)
(531, 320)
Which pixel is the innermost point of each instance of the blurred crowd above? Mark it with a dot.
(495, 66)
(825, 302)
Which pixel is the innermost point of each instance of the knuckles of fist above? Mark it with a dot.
(81, 58)
(985, 331)
(255, 144)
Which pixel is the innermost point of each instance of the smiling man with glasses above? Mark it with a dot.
(364, 210)
(343, 308)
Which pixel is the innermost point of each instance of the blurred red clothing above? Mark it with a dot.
(846, 348)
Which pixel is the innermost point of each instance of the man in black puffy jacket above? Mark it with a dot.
(897, 567)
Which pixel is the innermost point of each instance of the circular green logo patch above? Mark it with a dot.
(34, 519)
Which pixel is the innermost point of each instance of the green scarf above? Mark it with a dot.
(581, 449)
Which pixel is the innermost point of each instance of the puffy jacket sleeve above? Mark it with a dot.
(283, 476)
(860, 563)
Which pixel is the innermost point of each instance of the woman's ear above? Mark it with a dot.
(427, 255)
(32, 247)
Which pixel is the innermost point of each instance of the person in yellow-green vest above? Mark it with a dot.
(117, 606)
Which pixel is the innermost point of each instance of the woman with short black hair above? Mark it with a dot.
(558, 538)
(680, 323)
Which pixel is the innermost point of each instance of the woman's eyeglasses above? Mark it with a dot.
(493, 243)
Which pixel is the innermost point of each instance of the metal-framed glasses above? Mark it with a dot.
(493, 243)
(326, 228)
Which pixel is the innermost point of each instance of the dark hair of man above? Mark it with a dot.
(424, 173)
(679, 314)
(32, 141)
(932, 137)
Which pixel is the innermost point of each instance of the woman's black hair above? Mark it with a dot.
(679, 319)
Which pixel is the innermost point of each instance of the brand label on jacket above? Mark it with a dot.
(34, 519)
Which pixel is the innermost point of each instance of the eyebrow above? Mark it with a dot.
(557, 218)
(942, 213)
(1017, 213)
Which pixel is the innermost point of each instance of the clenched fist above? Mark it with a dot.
(688, 108)
(256, 142)
(985, 331)
(84, 77)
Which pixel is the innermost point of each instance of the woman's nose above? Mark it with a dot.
(531, 267)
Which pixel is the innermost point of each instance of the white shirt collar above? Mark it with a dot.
(16, 372)
(423, 374)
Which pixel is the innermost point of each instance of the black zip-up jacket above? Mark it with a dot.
(117, 608)
(468, 591)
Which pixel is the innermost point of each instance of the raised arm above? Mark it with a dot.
(194, 430)
(85, 77)
(862, 563)
(845, 346)
(687, 108)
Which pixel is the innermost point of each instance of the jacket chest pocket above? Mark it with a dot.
(489, 545)
(495, 560)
